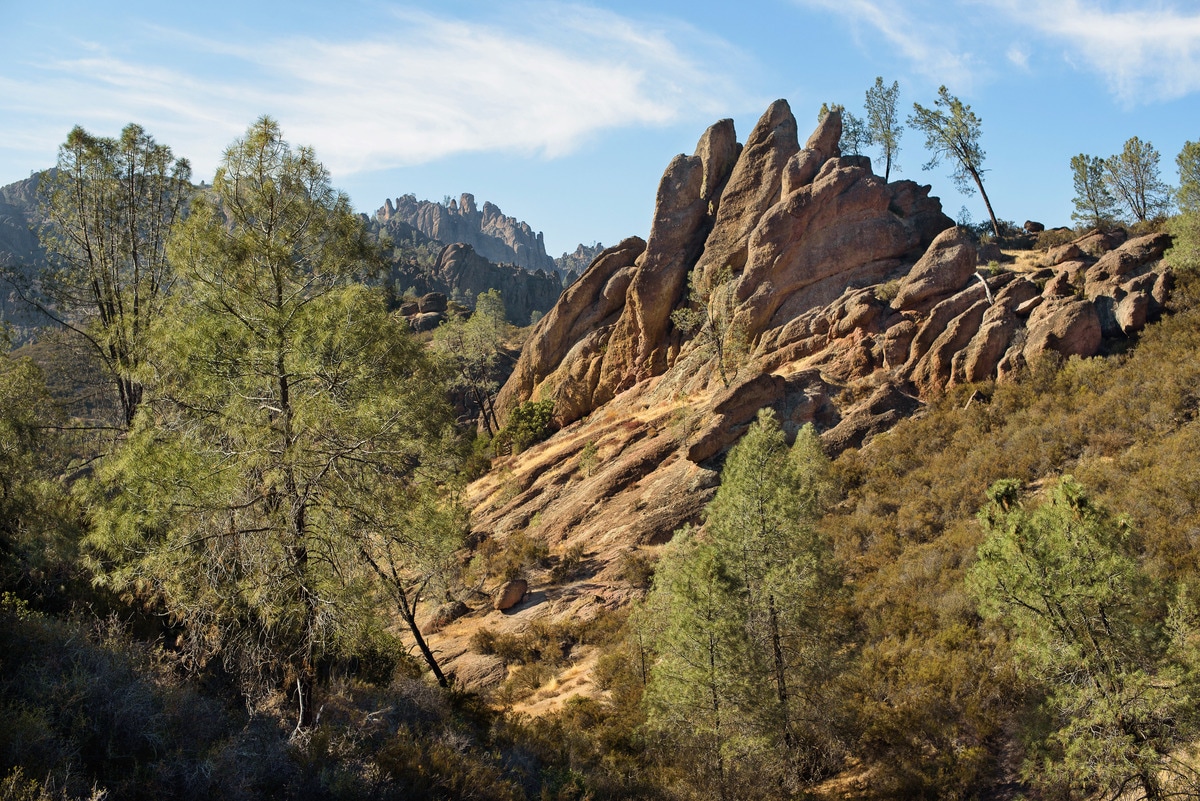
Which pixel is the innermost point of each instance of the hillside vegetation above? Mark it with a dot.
(893, 533)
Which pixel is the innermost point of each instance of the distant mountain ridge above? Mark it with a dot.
(491, 233)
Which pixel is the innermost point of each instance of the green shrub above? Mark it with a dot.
(887, 291)
(528, 424)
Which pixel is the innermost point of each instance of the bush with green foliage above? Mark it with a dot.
(1089, 627)
(528, 424)
(742, 626)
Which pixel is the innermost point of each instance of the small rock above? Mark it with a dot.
(510, 594)
(444, 615)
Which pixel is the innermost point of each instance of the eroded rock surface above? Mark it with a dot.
(826, 294)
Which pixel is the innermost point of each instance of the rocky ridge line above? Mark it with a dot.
(493, 235)
(853, 301)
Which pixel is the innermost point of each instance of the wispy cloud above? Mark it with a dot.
(1018, 56)
(421, 87)
(920, 38)
(1145, 54)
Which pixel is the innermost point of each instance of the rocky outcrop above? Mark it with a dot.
(571, 265)
(22, 253)
(817, 290)
(465, 272)
(823, 292)
(762, 233)
(492, 234)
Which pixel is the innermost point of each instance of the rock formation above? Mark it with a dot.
(571, 265)
(20, 252)
(824, 293)
(493, 235)
(460, 268)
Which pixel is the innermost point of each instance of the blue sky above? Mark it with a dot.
(566, 114)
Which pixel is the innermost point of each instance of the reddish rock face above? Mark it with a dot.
(510, 594)
(828, 295)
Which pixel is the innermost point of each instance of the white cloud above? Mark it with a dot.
(929, 45)
(420, 88)
(1018, 56)
(1143, 53)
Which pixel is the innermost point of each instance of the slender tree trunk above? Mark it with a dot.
(781, 689)
(986, 202)
(716, 707)
(409, 613)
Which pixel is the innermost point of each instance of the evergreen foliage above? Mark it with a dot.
(746, 641)
(1187, 196)
(1095, 206)
(953, 131)
(883, 125)
(1133, 177)
(109, 208)
(710, 317)
(527, 425)
(295, 433)
(473, 349)
(1185, 227)
(1088, 626)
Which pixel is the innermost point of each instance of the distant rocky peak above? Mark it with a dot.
(491, 233)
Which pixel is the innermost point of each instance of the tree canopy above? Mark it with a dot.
(1088, 625)
(883, 124)
(743, 634)
(109, 207)
(953, 131)
(295, 441)
(1133, 177)
(1094, 204)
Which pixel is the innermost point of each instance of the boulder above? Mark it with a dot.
(1069, 326)
(1129, 257)
(1063, 253)
(477, 672)
(426, 321)
(1059, 286)
(432, 302)
(510, 594)
(444, 615)
(982, 355)
(945, 268)
(1096, 243)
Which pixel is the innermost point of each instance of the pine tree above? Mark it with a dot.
(1094, 204)
(287, 457)
(883, 125)
(768, 584)
(1088, 626)
(1133, 177)
(473, 349)
(953, 131)
(1185, 227)
(109, 207)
